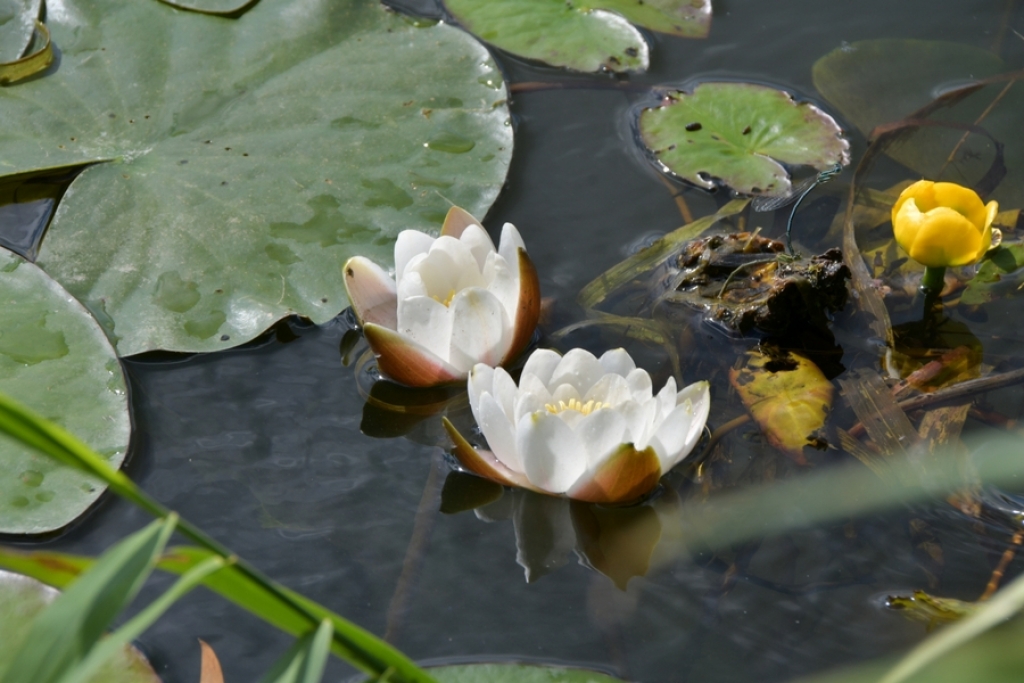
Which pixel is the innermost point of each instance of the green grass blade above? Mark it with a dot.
(359, 647)
(110, 645)
(305, 661)
(65, 632)
(37, 432)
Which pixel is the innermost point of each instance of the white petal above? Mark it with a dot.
(510, 243)
(481, 331)
(565, 393)
(480, 382)
(529, 385)
(611, 389)
(446, 268)
(497, 428)
(666, 400)
(541, 364)
(503, 283)
(505, 391)
(371, 291)
(682, 429)
(617, 361)
(410, 243)
(527, 403)
(571, 418)
(464, 271)
(601, 433)
(640, 417)
(427, 322)
(412, 285)
(640, 385)
(479, 243)
(552, 455)
(579, 368)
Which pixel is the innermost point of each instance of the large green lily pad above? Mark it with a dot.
(17, 24)
(21, 601)
(860, 82)
(241, 162)
(738, 133)
(580, 34)
(55, 359)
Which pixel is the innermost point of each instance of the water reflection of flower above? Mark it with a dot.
(591, 429)
(455, 301)
(943, 224)
(619, 542)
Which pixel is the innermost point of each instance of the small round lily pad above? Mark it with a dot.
(740, 135)
(54, 358)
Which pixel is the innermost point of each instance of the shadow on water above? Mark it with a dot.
(261, 446)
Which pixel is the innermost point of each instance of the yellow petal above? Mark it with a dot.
(964, 201)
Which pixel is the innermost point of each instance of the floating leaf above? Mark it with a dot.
(55, 359)
(17, 23)
(581, 35)
(740, 134)
(21, 601)
(250, 158)
(558, 33)
(787, 395)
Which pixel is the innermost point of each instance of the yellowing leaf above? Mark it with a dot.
(787, 395)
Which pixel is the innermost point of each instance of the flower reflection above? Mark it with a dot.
(619, 542)
(455, 301)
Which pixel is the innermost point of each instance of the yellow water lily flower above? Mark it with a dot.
(943, 224)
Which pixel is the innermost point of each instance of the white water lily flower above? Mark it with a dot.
(589, 428)
(455, 301)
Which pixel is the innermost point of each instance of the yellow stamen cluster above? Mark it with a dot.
(577, 405)
(447, 301)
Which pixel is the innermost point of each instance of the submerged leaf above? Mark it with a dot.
(55, 359)
(740, 134)
(250, 158)
(965, 116)
(787, 395)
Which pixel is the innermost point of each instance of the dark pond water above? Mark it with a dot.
(262, 446)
